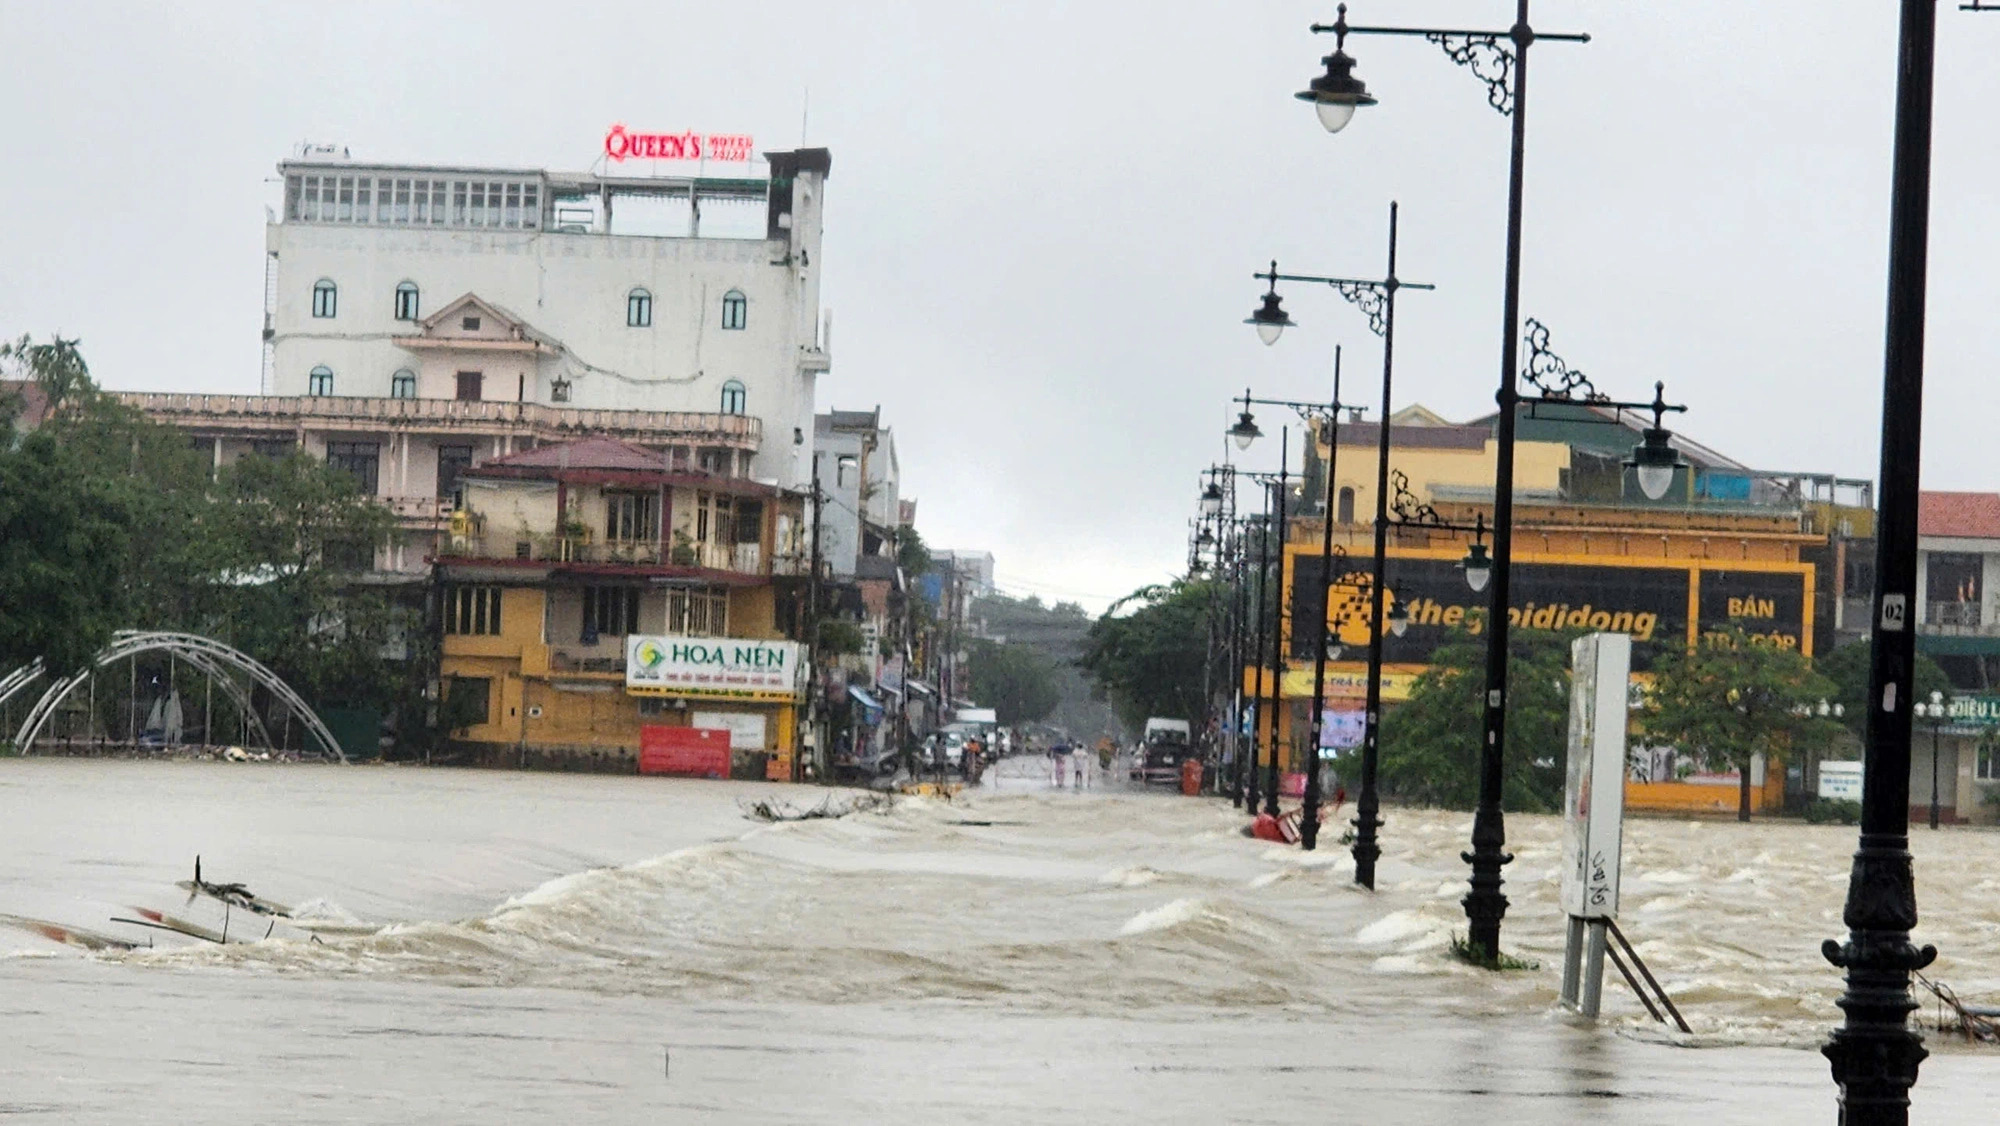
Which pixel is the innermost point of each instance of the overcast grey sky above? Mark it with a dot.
(1043, 216)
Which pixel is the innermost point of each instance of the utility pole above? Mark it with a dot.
(812, 640)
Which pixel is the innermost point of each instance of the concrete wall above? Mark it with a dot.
(840, 519)
(1538, 466)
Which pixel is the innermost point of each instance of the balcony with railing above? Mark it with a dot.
(420, 510)
(355, 413)
(740, 559)
(1957, 618)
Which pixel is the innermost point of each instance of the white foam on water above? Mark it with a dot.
(1171, 914)
(323, 910)
(1134, 877)
(1394, 927)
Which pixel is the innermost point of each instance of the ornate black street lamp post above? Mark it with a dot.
(1935, 711)
(1270, 617)
(1504, 69)
(1376, 299)
(1328, 415)
(1278, 623)
(1248, 764)
(1875, 1054)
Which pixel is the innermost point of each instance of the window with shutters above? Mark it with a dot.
(631, 517)
(472, 611)
(609, 611)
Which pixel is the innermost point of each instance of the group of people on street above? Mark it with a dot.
(1069, 761)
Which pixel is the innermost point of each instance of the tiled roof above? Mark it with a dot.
(1962, 515)
(586, 453)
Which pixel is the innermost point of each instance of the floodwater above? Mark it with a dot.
(612, 949)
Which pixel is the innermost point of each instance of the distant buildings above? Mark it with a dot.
(1729, 547)
(974, 567)
(588, 398)
(854, 461)
(423, 320)
(1958, 589)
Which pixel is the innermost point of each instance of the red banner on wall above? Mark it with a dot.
(700, 752)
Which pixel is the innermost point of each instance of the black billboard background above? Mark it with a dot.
(1650, 603)
(1768, 606)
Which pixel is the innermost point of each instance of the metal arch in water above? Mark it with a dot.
(19, 679)
(130, 643)
(236, 692)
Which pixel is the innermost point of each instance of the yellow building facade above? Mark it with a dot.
(1666, 574)
(564, 559)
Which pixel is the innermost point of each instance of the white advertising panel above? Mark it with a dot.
(1594, 793)
(725, 667)
(1840, 781)
(746, 729)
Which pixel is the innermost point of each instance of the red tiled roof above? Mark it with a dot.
(586, 453)
(1963, 515)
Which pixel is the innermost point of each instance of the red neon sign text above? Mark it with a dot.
(620, 144)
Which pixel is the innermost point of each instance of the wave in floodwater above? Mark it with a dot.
(1107, 904)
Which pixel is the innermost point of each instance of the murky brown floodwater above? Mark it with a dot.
(535, 947)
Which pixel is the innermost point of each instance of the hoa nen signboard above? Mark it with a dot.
(711, 667)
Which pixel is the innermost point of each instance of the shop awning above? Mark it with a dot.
(863, 698)
(920, 688)
(1953, 645)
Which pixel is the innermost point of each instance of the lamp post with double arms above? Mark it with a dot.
(1654, 463)
(1376, 299)
(1500, 59)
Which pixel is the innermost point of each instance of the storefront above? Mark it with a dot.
(748, 687)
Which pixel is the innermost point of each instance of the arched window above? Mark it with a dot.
(1346, 510)
(733, 397)
(324, 297)
(406, 301)
(403, 385)
(735, 309)
(320, 382)
(638, 308)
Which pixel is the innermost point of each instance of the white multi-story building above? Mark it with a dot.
(859, 482)
(422, 319)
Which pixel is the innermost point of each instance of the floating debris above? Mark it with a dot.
(771, 809)
(1971, 1022)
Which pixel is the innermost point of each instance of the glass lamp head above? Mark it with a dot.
(1336, 94)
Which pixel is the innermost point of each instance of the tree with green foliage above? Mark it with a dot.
(110, 521)
(1430, 745)
(1016, 681)
(839, 637)
(1732, 698)
(1847, 669)
(1149, 651)
(912, 555)
(303, 532)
